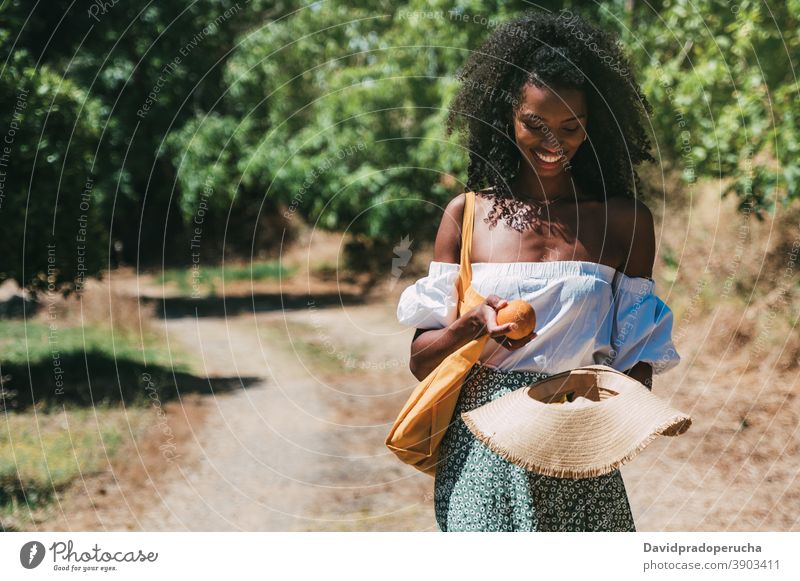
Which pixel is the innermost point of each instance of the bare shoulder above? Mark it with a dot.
(635, 232)
(448, 239)
(629, 211)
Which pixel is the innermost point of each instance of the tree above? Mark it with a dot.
(53, 234)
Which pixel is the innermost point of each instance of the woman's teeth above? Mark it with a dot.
(547, 158)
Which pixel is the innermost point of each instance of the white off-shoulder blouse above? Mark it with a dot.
(584, 314)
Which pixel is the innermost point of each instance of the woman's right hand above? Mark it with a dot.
(486, 316)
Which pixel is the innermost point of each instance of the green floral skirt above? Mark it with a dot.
(478, 490)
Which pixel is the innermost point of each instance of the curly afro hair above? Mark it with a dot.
(557, 51)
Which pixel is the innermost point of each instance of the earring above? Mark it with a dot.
(585, 137)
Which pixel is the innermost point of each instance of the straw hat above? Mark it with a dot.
(606, 419)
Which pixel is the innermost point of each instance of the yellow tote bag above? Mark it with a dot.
(421, 425)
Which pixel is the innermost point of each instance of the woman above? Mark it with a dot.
(553, 120)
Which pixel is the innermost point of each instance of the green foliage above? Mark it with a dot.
(131, 74)
(53, 229)
(333, 113)
(724, 93)
(340, 110)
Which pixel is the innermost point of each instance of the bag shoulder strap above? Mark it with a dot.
(465, 266)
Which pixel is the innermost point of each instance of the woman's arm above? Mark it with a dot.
(642, 372)
(635, 222)
(430, 347)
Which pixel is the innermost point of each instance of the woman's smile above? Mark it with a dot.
(547, 160)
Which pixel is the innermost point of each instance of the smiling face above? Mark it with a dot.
(549, 126)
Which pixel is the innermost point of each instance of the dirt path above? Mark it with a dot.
(303, 449)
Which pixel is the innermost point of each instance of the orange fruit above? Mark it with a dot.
(519, 312)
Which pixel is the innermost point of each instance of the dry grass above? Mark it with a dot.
(735, 293)
(732, 283)
(106, 304)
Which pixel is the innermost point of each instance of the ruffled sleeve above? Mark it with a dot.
(642, 328)
(431, 302)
